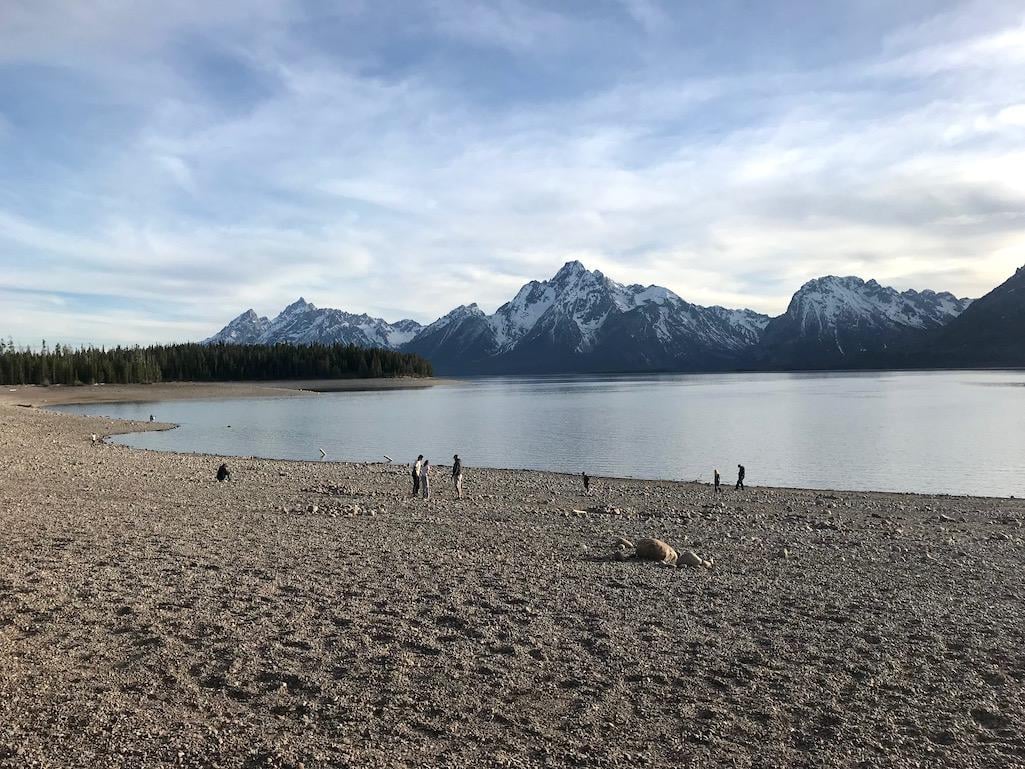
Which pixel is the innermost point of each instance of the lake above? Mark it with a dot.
(951, 432)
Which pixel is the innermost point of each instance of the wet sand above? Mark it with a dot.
(314, 615)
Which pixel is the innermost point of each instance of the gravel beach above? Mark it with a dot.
(314, 615)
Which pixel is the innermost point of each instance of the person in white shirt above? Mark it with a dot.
(425, 478)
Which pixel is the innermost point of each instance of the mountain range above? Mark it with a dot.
(582, 321)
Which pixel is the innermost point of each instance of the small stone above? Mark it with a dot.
(690, 558)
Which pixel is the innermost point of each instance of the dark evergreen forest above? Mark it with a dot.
(201, 363)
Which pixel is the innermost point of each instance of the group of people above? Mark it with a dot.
(422, 476)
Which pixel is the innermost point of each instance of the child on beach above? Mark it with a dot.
(457, 475)
(425, 478)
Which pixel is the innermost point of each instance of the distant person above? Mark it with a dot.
(740, 477)
(223, 473)
(151, 418)
(457, 475)
(416, 474)
(425, 478)
(718, 486)
(95, 438)
(587, 482)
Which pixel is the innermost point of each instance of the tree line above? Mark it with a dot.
(201, 363)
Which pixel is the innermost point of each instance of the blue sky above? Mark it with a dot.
(164, 166)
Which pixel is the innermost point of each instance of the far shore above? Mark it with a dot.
(61, 395)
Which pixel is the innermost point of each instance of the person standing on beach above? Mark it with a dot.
(740, 477)
(718, 488)
(457, 475)
(425, 478)
(587, 482)
(416, 474)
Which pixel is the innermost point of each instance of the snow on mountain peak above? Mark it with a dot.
(569, 270)
(584, 300)
(299, 305)
(245, 329)
(825, 306)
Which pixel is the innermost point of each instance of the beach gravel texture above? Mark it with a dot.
(314, 615)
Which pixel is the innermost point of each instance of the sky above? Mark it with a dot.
(165, 166)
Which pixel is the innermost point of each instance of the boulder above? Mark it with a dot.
(655, 550)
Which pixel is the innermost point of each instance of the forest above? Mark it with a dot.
(201, 363)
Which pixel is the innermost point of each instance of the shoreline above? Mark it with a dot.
(693, 483)
(568, 476)
(68, 395)
(315, 614)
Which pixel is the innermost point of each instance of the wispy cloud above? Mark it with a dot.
(401, 159)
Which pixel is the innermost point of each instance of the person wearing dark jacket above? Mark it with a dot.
(223, 473)
(416, 474)
(718, 487)
(740, 477)
(457, 475)
(587, 482)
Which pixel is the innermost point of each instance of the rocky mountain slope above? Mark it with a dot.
(303, 323)
(580, 320)
(991, 332)
(836, 322)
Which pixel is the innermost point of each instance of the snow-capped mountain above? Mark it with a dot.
(247, 328)
(837, 321)
(302, 323)
(581, 320)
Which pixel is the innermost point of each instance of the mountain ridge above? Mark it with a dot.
(580, 321)
(835, 320)
(303, 323)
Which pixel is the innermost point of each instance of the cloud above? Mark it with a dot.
(510, 24)
(402, 161)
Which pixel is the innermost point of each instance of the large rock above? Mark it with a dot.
(655, 550)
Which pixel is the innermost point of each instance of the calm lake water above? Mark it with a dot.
(943, 432)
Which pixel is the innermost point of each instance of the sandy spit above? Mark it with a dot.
(32, 395)
(314, 615)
